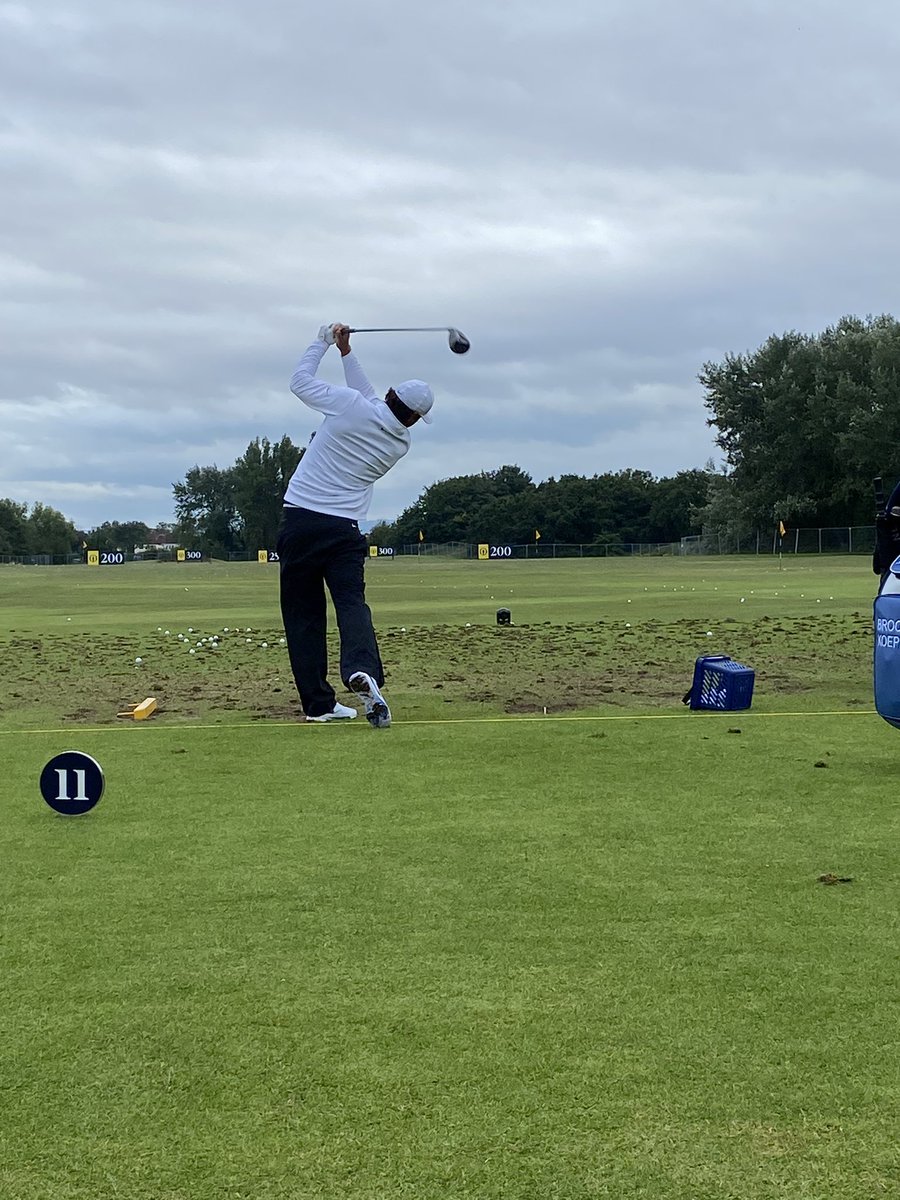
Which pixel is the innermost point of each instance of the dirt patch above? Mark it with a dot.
(88, 678)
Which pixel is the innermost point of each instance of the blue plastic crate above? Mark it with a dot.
(722, 684)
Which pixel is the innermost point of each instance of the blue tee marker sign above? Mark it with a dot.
(72, 783)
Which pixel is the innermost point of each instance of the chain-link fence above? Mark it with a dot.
(846, 539)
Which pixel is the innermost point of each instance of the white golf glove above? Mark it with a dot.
(326, 335)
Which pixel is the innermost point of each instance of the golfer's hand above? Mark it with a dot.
(342, 339)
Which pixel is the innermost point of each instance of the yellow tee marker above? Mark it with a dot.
(140, 712)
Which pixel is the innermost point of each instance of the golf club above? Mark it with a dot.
(459, 343)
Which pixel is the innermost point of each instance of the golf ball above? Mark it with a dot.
(265, 645)
(138, 661)
(192, 651)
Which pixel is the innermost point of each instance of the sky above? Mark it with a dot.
(602, 194)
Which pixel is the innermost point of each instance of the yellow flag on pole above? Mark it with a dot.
(421, 536)
(781, 529)
(537, 535)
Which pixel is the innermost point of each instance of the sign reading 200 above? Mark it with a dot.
(111, 558)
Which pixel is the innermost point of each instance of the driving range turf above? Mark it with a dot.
(486, 953)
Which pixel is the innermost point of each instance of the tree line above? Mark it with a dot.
(44, 530)
(506, 505)
(804, 422)
(217, 510)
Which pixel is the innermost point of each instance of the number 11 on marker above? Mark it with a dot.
(62, 774)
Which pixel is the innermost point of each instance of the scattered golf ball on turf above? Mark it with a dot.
(248, 640)
(225, 630)
(192, 651)
(190, 629)
(265, 645)
(138, 661)
(281, 642)
(167, 633)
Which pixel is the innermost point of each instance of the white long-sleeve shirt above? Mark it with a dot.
(358, 442)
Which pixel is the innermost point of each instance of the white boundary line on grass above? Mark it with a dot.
(524, 720)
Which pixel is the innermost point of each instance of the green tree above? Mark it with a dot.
(807, 421)
(118, 535)
(13, 527)
(676, 504)
(384, 534)
(49, 532)
(205, 510)
(452, 510)
(260, 477)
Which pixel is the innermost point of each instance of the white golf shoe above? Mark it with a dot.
(340, 712)
(377, 712)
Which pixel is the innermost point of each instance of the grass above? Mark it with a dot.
(584, 955)
(594, 635)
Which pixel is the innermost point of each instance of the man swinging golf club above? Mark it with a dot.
(320, 542)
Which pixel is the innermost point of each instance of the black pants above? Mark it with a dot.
(316, 549)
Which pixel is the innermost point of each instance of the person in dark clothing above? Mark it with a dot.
(320, 543)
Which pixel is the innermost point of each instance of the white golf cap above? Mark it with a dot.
(417, 396)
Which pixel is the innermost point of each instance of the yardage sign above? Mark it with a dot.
(381, 552)
(105, 558)
(72, 783)
(267, 556)
(486, 551)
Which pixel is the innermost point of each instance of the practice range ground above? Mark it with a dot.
(486, 953)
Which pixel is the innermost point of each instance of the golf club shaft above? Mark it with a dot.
(407, 329)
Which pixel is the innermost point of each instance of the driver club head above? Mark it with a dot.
(459, 343)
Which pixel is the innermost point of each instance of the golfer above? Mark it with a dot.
(320, 542)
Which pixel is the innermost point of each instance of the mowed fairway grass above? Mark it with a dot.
(486, 953)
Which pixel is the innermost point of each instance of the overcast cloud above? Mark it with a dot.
(601, 194)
